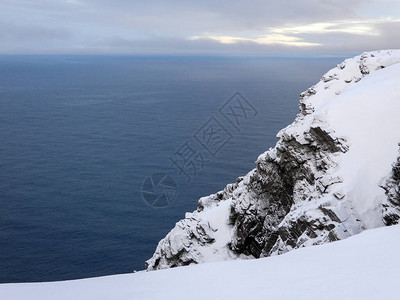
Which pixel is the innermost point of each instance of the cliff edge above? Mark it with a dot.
(330, 176)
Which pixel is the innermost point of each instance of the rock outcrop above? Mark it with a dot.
(294, 197)
(391, 206)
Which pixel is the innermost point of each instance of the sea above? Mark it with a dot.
(100, 156)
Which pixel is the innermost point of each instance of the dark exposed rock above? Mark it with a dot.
(325, 139)
(258, 225)
(391, 207)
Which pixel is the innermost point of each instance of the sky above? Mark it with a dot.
(284, 27)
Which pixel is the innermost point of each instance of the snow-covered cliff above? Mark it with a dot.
(325, 179)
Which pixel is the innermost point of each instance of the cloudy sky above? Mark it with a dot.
(288, 27)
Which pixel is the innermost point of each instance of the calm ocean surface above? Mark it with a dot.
(80, 134)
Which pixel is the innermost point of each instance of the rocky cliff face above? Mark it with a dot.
(391, 205)
(295, 196)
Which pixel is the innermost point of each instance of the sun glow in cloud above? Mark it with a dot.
(294, 35)
(350, 27)
(271, 39)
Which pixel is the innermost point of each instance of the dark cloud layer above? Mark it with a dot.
(198, 27)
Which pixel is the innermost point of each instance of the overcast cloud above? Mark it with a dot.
(286, 27)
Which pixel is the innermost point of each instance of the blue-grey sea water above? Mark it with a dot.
(79, 135)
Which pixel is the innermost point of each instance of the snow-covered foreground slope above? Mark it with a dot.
(365, 267)
(320, 183)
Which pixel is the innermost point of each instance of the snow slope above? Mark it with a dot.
(365, 266)
(367, 115)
